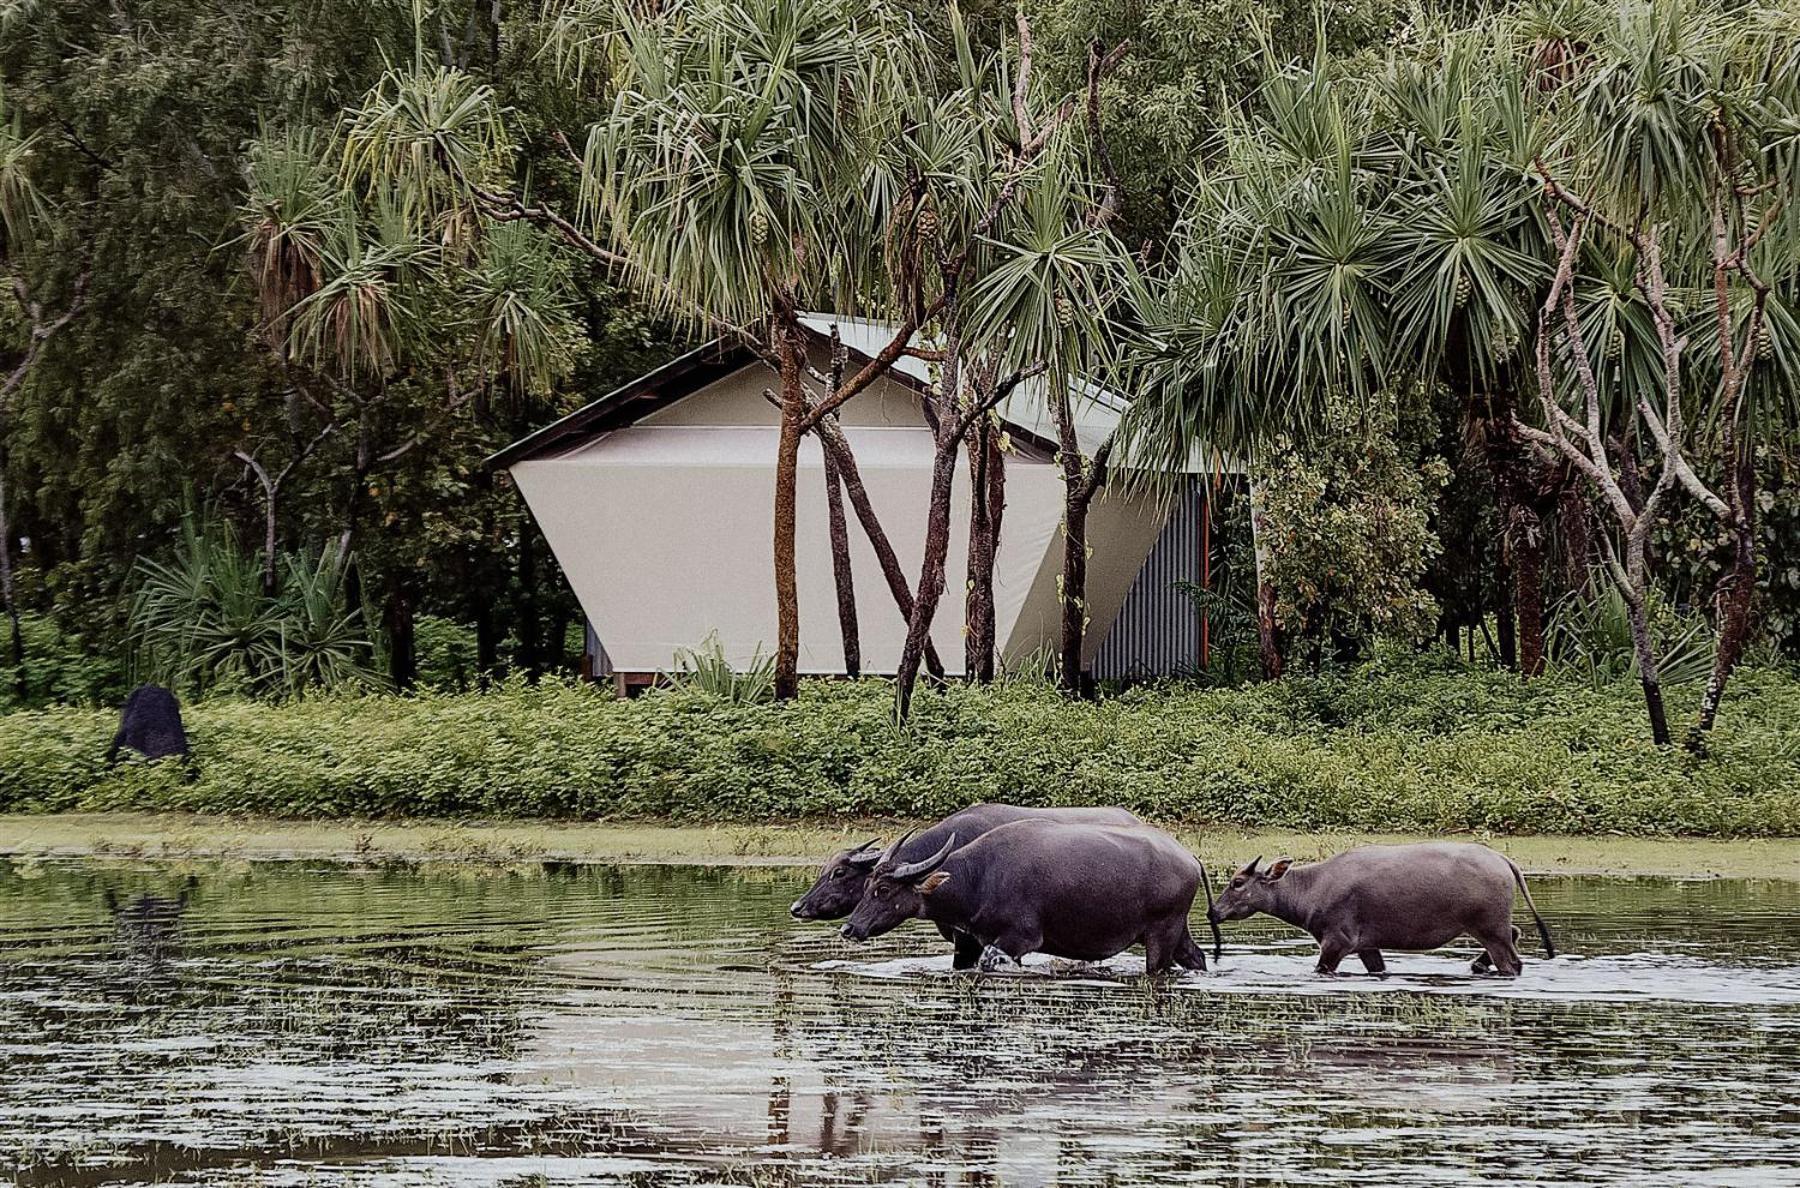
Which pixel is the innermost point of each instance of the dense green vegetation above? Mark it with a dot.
(1499, 306)
(1406, 745)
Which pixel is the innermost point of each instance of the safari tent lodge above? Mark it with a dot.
(657, 500)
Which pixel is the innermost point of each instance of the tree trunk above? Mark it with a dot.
(15, 633)
(397, 619)
(1527, 545)
(269, 577)
(931, 577)
(1732, 598)
(787, 466)
(1575, 518)
(1505, 620)
(1079, 488)
(831, 436)
(996, 493)
(529, 626)
(1268, 635)
(986, 496)
(840, 568)
(1648, 672)
(1074, 600)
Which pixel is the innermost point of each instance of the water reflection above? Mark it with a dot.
(324, 1026)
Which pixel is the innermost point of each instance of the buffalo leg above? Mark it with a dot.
(1013, 946)
(1373, 962)
(968, 951)
(1331, 951)
(1484, 963)
(1162, 948)
(1169, 945)
(1190, 955)
(1500, 955)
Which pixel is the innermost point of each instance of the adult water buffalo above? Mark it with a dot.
(1085, 893)
(839, 887)
(1409, 898)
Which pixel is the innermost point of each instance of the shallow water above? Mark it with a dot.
(283, 1024)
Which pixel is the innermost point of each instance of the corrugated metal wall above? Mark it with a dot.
(599, 663)
(1157, 632)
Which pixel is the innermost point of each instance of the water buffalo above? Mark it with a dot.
(151, 725)
(1084, 892)
(839, 887)
(1409, 898)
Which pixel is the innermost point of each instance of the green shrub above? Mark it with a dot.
(58, 668)
(446, 654)
(1400, 744)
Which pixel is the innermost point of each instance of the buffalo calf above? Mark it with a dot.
(1408, 898)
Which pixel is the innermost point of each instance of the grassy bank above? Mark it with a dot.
(177, 837)
(1380, 749)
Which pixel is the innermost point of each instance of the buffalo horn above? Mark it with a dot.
(887, 855)
(912, 870)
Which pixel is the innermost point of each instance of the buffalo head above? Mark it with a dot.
(896, 891)
(839, 887)
(1250, 891)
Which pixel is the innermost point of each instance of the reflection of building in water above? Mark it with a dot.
(787, 1072)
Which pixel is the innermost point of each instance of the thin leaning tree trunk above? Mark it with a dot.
(840, 568)
(1268, 637)
(986, 500)
(787, 580)
(1074, 602)
(931, 579)
(831, 436)
(1649, 672)
(1733, 598)
(1080, 485)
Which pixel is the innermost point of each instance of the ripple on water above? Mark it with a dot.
(298, 1025)
(1619, 977)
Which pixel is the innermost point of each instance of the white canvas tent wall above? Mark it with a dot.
(657, 501)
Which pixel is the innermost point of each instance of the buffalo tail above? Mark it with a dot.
(1543, 930)
(1213, 923)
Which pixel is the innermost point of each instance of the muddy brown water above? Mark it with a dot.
(289, 1024)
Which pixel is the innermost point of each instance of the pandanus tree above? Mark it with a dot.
(1529, 211)
(1277, 294)
(387, 311)
(1668, 182)
(1017, 284)
(734, 179)
(1049, 301)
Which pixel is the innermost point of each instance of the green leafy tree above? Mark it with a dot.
(1349, 533)
(736, 178)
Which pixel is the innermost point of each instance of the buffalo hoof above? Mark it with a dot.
(994, 960)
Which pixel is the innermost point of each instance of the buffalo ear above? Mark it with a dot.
(933, 881)
(1277, 868)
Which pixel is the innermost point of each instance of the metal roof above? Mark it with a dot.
(1026, 411)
